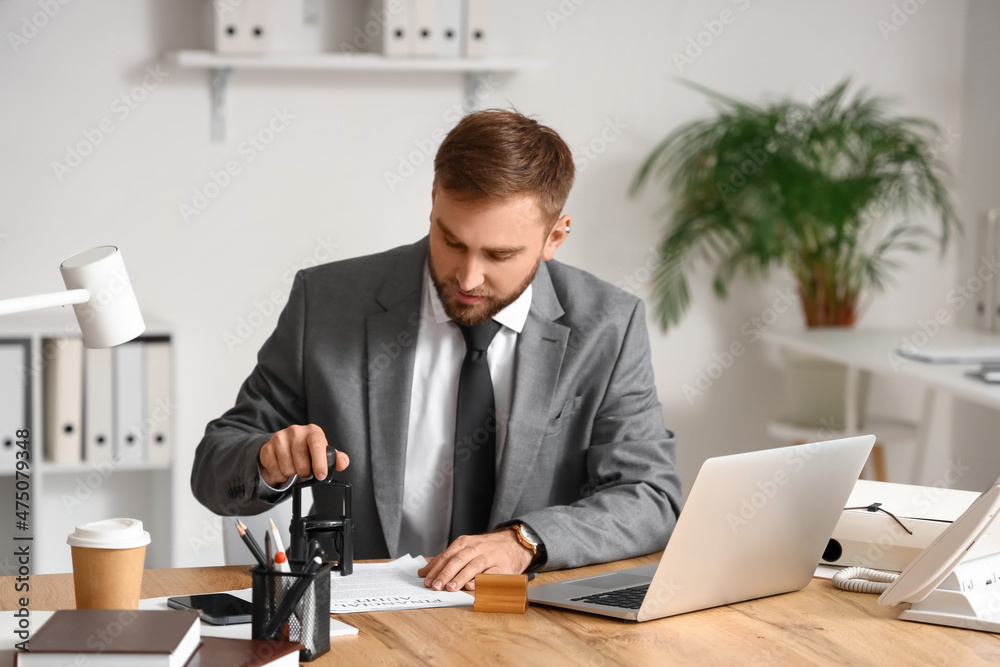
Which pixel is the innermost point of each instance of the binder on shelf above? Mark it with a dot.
(15, 398)
(394, 15)
(159, 441)
(449, 28)
(129, 403)
(477, 28)
(242, 27)
(63, 408)
(98, 399)
(423, 27)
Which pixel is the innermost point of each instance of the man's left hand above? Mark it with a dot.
(469, 555)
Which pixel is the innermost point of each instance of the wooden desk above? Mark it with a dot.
(818, 625)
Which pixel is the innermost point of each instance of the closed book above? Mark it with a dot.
(114, 638)
(218, 651)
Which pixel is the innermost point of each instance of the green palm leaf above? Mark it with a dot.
(804, 187)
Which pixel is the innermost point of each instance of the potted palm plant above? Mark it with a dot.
(812, 188)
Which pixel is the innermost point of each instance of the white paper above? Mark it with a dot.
(238, 630)
(389, 586)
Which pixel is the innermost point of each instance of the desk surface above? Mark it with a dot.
(818, 625)
(874, 350)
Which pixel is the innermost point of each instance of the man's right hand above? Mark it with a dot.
(297, 450)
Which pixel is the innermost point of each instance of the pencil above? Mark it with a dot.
(278, 548)
(250, 542)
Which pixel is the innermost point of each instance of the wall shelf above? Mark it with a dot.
(221, 65)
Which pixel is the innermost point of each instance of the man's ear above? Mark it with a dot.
(556, 236)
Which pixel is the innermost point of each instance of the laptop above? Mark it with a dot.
(754, 525)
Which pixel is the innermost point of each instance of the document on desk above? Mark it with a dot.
(389, 586)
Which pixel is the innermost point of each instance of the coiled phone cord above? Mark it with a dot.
(863, 580)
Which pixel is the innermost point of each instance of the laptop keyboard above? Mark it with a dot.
(626, 598)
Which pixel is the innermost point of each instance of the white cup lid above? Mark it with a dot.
(109, 534)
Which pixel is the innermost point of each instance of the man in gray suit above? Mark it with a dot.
(540, 445)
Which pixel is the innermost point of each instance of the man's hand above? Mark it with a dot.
(297, 450)
(469, 555)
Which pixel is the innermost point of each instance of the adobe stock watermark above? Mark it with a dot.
(213, 528)
(753, 330)
(248, 150)
(959, 296)
(561, 13)
(796, 458)
(636, 281)
(757, 155)
(925, 498)
(163, 410)
(121, 108)
(425, 148)
(223, 7)
(32, 24)
(898, 17)
(375, 26)
(264, 309)
(585, 154)
(99, 300)
(879, 207)
(703, 39)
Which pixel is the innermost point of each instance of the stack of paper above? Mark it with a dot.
(389, 586)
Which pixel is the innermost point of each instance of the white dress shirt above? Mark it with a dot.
(430, 434)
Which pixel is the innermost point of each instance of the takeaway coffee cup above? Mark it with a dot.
(108, 558)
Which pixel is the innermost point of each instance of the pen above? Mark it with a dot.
(279, 548)
(250, 542)
(292, 598)
(267, 550)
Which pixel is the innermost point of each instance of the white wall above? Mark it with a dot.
(319, 190)
(975, 428)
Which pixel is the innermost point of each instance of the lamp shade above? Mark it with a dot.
(111, 315)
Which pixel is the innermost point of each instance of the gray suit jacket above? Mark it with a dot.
(587, 462)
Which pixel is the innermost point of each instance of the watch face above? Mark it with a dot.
(529, 534)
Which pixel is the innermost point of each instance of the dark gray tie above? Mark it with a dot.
(475, 436)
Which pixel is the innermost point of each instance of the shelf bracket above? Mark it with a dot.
(220, 79)
(471, 102)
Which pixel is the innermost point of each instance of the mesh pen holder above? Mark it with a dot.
(309, 623)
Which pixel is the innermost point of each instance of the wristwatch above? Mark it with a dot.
(527, 538)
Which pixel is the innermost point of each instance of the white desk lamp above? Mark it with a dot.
(98, 287)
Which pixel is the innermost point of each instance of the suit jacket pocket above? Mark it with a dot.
(564, 416)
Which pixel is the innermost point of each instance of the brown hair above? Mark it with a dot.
(495, 154)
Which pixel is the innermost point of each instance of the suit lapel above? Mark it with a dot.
(392, 339)
(540, 348)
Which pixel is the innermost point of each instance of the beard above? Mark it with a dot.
(478, 313)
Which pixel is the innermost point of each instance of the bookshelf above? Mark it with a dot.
(63, 495)
(222, 65)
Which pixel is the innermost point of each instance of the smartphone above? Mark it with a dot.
(215, 608)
